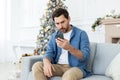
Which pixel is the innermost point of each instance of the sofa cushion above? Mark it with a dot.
(92, 54)
(104, 55)
(93, 77)
(97, 77)
(55, 78)
(113, 69)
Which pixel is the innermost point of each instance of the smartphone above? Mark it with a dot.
(59, 36)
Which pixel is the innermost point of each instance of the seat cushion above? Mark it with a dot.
(55, 78)
(93, 77)
(104, 55)
(97, 77)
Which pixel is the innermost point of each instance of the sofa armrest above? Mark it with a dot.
(27, 63)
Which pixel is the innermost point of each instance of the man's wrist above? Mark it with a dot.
(71, 48)
(46, 60)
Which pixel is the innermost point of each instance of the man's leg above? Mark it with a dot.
(73, 74)
(39, 73)
(37, 70)
(60, 69)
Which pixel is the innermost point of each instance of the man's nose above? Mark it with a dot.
(60, 26)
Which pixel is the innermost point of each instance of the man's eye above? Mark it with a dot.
(57, 23)
(62, 22)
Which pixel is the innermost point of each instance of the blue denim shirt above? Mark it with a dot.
(79, 40)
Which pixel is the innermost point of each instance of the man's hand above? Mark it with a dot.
(48, 68)
(63, 43)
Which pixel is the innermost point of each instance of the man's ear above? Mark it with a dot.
(69, 18)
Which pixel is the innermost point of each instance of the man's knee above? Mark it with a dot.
(72, 74)
(37, 66)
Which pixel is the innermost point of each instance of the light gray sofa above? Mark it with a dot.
(101, 56)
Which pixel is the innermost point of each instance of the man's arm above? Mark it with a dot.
(77, 53)
(83, 52)
(48, 68)
(63, 43)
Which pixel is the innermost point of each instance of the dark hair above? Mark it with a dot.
(60, 11)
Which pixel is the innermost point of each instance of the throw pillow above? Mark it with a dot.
(113, 69)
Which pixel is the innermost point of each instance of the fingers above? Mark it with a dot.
(49, 71)
(59, 41)
(62, 40)
(53, 69)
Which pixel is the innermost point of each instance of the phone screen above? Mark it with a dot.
(59, 36)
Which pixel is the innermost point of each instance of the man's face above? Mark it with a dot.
(62, 23)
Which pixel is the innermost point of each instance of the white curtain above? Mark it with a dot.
(2, 30)
(6, 53)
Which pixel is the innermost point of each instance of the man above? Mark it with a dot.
(64, 57)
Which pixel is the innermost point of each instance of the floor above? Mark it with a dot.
(9, 71)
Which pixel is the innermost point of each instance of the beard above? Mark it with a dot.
(64, 30)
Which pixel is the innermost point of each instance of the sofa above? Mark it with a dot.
(100, 57)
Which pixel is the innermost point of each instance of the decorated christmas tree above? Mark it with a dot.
(47, 26)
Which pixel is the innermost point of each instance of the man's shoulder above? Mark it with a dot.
(53, 34)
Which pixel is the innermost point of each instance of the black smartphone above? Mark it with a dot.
(60, 35)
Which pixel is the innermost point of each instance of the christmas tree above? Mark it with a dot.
(47, 26)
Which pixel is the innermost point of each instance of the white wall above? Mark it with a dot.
(26, 14)
(85, 12)
(25, 24)
(23, 19)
